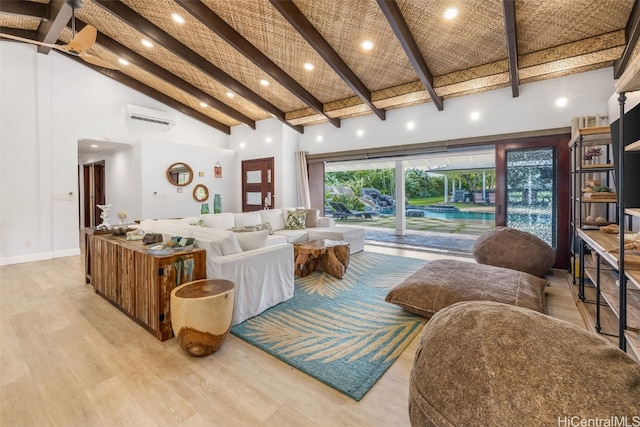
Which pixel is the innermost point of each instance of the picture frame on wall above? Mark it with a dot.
(217, 170)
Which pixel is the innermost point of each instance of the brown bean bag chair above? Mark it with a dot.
(491, 364)
(515, 249)
(444, 282)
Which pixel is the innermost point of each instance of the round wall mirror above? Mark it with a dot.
(201, 193)
(180, 174)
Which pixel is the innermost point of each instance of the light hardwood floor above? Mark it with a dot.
(69, 358)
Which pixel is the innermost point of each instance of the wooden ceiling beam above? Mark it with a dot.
(25, 8)
(509, 9)
(632, 33)
(162, 74)
(216, 24)
(153, 32)
(155, 94)
(294, 16)
(392, 12)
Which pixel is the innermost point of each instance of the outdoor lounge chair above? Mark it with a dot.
(477, 198)
(344, 212)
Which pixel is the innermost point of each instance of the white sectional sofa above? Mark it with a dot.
(254, 250)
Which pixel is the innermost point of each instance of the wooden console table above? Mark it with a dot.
(140, 284)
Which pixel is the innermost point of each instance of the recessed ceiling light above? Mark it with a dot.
(94, 146)
(319, 138)
(178, 18)
(562, 101)
(203, 104)
(450, 13)
(242, 144)
(360, 132)
(411, 125)
(264, 82)
(230, 94)
(123, 61)
(474, 116)
(146, 43)
(308, 66)
(367, 45)
(268, 139)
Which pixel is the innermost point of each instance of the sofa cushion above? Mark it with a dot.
(442, 283)
(516, 249)
(221, 220)
(247, 218)
(293, 236)
(490, 364)
(252, 239)
(336, 233)
(274, 217)
(219, 242)
(296, 220)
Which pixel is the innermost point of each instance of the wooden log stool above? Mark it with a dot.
(201, 313)
(330, 256)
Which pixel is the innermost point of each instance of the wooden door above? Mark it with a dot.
(258, 184)
(94, 192)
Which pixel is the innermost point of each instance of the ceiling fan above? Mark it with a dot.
(80, 43)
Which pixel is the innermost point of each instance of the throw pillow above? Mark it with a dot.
(312, 217)
(253, 239)
(296, 220)
(249, 228)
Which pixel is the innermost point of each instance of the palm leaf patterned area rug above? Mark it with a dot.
(340, 331)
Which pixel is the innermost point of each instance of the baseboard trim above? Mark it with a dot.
(41, 256)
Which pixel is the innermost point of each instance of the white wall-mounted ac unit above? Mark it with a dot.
(148, 115)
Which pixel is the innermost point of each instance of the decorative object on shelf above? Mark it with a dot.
(104, 216)
(200, 174)
(180, 174)
(122, 218)
(135, 234)
(152, 238)
(592, 152)
(201, 193)
(217, 170)
(217, 204)
(204, 209)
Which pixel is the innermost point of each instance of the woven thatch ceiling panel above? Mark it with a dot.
(127, 36)
(466, 55)
(446, 45)
(565, 21)
(16, 21)
(266, 29)
(346, 24)
(211, 47)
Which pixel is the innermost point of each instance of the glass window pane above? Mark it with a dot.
(531, 192)
(254, 198)
(254, 177)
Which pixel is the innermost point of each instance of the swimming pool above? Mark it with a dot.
(461, 215)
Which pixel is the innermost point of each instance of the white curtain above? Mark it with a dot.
(304, 200)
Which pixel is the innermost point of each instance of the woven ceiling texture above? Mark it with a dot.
(466, 55)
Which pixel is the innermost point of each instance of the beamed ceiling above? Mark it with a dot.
(226, 47)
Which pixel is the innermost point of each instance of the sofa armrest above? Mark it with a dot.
(325, 221)
(263, 278)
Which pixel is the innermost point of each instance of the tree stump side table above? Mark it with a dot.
(201, 313)
(330, 256)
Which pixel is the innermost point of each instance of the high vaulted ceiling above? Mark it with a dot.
(222, 51)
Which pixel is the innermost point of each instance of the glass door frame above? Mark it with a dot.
(560, 143)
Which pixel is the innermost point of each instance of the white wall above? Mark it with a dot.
(48, 103)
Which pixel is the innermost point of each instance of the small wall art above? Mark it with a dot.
(217, 170)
